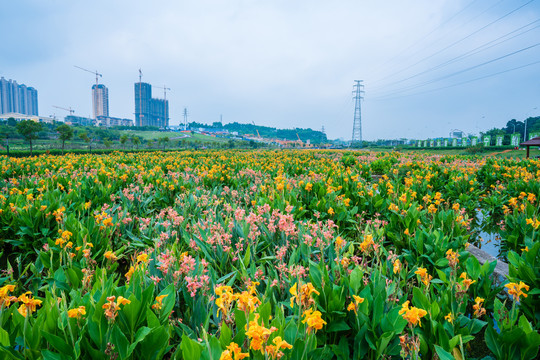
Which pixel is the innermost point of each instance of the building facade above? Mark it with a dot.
(150, 111)
(100, 100)
(15, 98)
(109, 121)
(79, 120)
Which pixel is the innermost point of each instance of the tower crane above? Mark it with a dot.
(257, 130)
(98, 75)
(71, 111)
(165, 88)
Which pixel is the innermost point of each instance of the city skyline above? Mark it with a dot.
(428, 66)
(17, 98)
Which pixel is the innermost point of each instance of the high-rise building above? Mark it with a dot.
(15, 98)
(100, 100)
(150, 111)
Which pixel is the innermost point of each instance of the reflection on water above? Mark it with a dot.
(490, 243)
(486, 236)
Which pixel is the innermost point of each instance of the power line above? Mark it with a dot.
(474, 51)
(460, 40)
(431, 32)
(412, 87)
(460, 83)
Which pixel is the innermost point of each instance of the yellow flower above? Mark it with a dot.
(466, 281)
(412, 314)
(274, 350)
(142, 258)
(109, 255)
(29, 304)
(313, 320)
(397, 266)
(449, 318)
(77, 312)
(367, 243)
(424, 276)
(353, 306)
(452, 257)
(233, 352)
(6, 299)
(309, 186)
(159, 302)
(258, 334)
(122, 300)
(247, 301)
(225, 299)
(478, 309)
(340, 243)
(515, 289)
(331, 211)
(130, 272)
(304, 298)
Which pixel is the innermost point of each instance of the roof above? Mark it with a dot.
(533, 142)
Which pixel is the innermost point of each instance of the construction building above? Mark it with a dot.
(100, 100)
(150, 111)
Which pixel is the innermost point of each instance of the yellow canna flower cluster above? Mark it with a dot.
(233, 352)
(258, 334)
(29, 304)
(77, 312)
(353, 306)
(159, 302)
(412, 314)
(477, 307)
(516, 291)
(5, 298)
(424, 276)
(367, 244)
(304, 299)
(246, 301)
(111, 307)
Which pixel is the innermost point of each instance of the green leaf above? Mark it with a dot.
(120, 342)
(315, 275)
(139, 336)
(191, 350)
(49, 355)
(168, 303)
(338, 326)
(58, 343)
(4, 337)
(356, 279)
(443, 354)
(225, 335)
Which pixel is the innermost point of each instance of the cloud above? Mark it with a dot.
(278, 63)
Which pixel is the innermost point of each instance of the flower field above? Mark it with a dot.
(267, 255)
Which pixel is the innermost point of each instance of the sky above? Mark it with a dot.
(428, 66)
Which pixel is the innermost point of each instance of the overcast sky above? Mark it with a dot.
(286, 63)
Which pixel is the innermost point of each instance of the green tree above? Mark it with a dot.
(135, 140)
(7, 132)
(163, 140)
(123, 140)
(12, 122)
(66, 133)
(108, 143)
(84, 136)
(29, 131)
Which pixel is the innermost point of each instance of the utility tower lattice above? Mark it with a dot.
(357, 125)
(185, 119)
